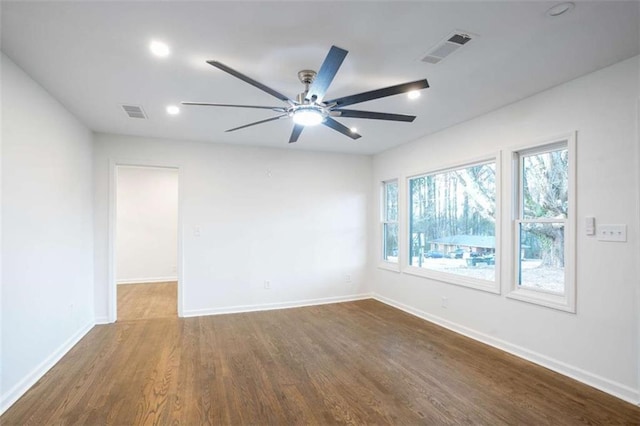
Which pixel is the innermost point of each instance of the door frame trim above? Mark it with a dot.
(112, 293)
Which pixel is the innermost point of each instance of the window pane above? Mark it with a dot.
(391, 201)
(390, 242)
(452, 221)
(544, 185)
(541, 260)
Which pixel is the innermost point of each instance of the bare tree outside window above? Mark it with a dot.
(452, 223)
(543, 211)
(390, 221)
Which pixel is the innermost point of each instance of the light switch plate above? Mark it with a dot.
(590, 225)
(616, 233)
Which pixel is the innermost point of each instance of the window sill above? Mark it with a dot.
(459, 280)
(389, 266)
(554, 301)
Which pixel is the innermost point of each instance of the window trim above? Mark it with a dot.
(563, 302)
(382, 262)
(448, 278)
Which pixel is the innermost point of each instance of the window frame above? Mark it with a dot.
(384, 221)
(566, 301)
(445, 277)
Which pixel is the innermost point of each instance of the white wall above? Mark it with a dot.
(599, 344)
(296, 219)
(3, 402)
(147, 224)
(47, 240)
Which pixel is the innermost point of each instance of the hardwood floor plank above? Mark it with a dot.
(147, 301)
(349, 363)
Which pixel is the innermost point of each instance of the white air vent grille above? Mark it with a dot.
(134, 111)
(446, 47)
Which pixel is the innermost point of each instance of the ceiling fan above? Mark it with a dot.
(310, 109)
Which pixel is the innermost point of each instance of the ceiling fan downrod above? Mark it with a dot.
(306, 77)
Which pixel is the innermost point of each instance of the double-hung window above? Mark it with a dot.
(452, 225)
(543, 225)
(390, 221)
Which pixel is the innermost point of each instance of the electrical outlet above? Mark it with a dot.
(347, 278)
(445, 302)
(267, 285)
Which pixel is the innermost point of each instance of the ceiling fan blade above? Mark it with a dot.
(379, 93)
(273, 108)
(327, 72)
(330, 122)
(249, 80)
(352, 113)
(295, 133)
(277, 117)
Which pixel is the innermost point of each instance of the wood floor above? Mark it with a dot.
(348, 363)
(147, 301)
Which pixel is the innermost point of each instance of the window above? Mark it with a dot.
(452, 225)
(543, 225)
(390, 221)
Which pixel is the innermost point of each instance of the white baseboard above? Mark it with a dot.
(102, 320)
(147, 280)
(12, 395)
(271, 306)
(618, 390)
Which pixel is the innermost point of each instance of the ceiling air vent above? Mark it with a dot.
(134, 111)
(445, 48)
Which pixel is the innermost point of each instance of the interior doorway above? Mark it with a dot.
(146, 242)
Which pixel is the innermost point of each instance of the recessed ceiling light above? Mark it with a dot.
(354, 130)
(173, 110)
(560, 8)
(159, 49)
(414, 94)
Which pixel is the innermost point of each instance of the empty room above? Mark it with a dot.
(320, 212)
(146, 242)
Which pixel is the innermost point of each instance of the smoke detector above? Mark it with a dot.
(560, 9)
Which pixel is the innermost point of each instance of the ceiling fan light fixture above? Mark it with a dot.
(308, 116)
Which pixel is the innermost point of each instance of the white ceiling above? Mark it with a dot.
(94, 56)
